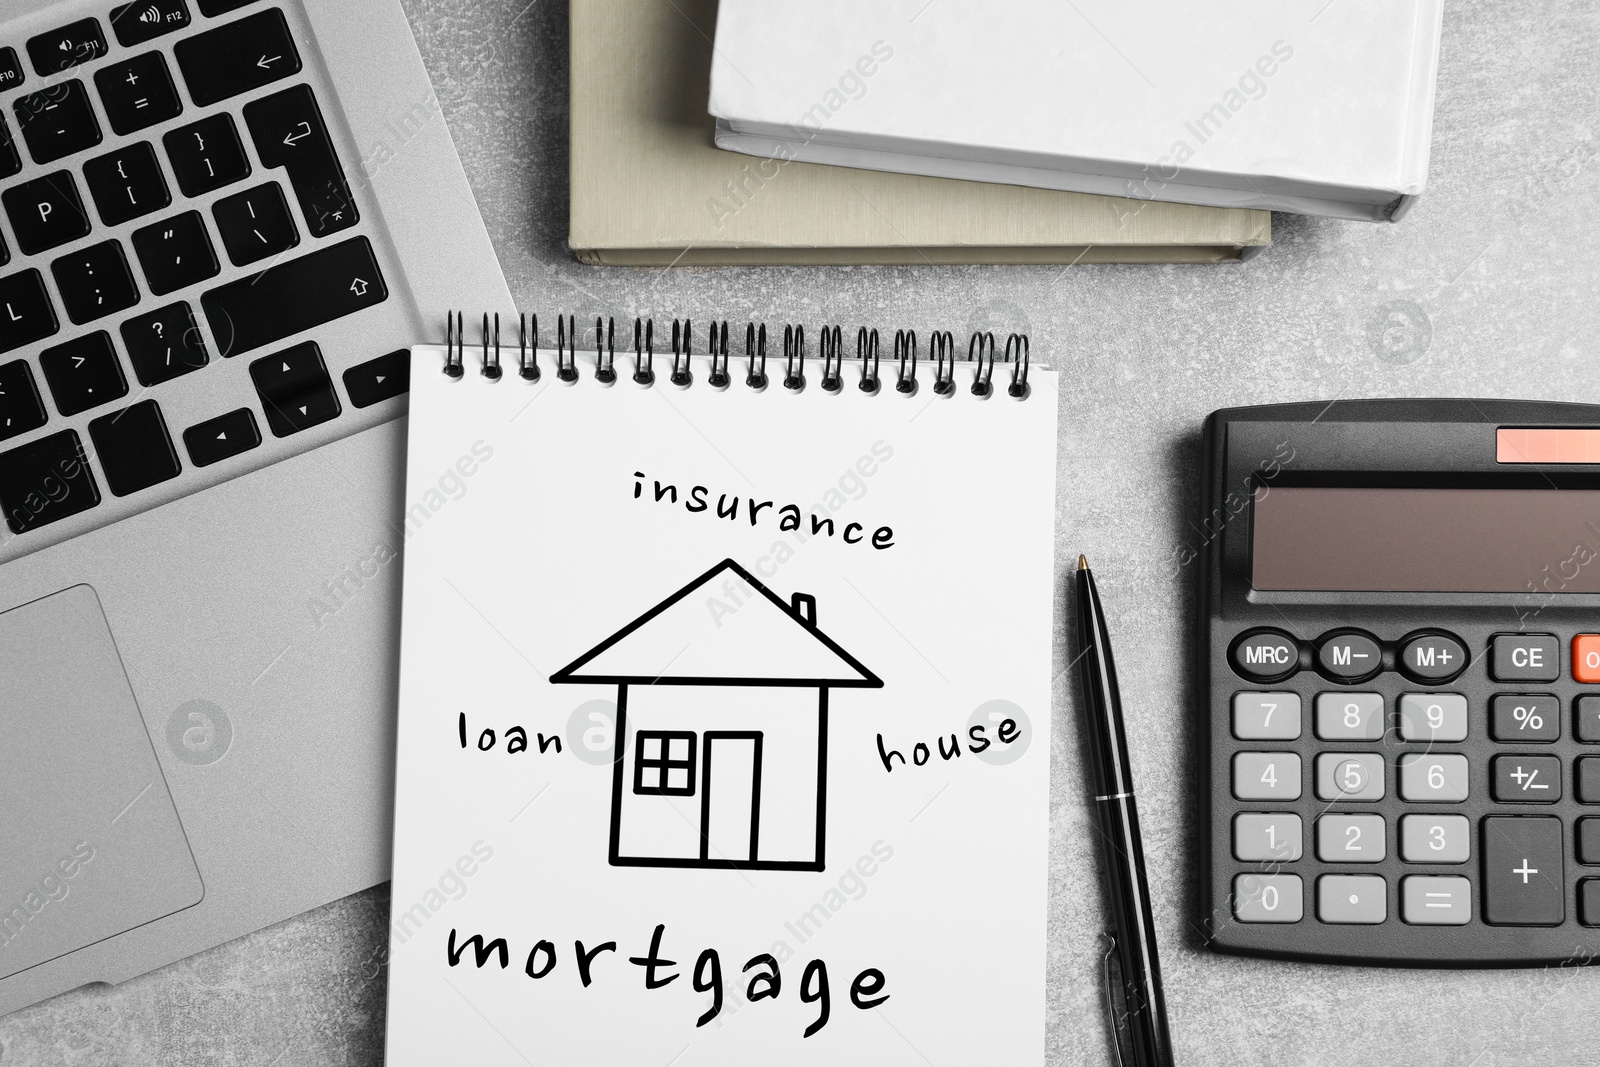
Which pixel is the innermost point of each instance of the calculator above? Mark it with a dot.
(1399, 682)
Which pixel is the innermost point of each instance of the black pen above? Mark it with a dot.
(1132, 928)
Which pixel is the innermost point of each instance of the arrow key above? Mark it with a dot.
(237, 57)
(222, 437)
(379, 379)
(295, 389)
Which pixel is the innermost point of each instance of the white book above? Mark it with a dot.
(1320, 107)
(725, 725)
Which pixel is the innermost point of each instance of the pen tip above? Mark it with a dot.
(1083, 562)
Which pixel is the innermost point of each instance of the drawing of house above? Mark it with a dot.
(721, 753)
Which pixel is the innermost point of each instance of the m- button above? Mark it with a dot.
(1349, 656)
(1525, 657)
(1265, 655)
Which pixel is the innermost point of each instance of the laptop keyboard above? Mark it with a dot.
(124, 314)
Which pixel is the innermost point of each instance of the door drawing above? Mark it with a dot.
(730, 796)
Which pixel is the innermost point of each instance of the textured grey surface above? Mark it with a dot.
(1487, 289)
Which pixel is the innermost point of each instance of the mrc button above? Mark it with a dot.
(1525, 657)
(1349, 656)
(1265, 655)
(1432, 657)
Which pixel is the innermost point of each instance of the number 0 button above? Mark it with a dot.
(1268, 898)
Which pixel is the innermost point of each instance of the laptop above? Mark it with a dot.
(223, 222)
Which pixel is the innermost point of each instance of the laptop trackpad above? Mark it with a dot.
(90, 844)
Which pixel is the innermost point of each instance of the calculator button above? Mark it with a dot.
(1349, 657)
(1266, 835)
(1526, 779)
(1350, 716)
(1433, 717)
(1350, 776)
(1256, 716)
(1350, 838)
(1268, 898)
(1586, 718)
(1352, 898)
(1266, 776)
(1586, 658)
(1433, 657)
(1525, 717)
(1433, 778)
(1589, 902)
(1586, 779)
(1522, 873)
(1435, 838)
(1265, 655)
(1436, 900)
(1588, 833)
(1525, 658)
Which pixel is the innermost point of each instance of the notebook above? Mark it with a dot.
(725, 722)
(648, 186)
(1304, 106)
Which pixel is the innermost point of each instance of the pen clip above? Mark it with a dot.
(1120, 1038)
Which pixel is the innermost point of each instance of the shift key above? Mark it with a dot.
(292, 297)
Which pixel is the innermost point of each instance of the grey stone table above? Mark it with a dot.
(1488, 288)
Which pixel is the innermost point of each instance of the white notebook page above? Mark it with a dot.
(829, 812)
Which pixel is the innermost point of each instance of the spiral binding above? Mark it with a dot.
(981, 352)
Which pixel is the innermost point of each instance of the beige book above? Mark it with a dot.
(649, 188)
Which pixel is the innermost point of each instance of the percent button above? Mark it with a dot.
(1525, 717)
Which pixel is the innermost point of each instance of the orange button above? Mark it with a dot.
(1586, 658)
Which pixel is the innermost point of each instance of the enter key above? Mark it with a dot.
(288, 131)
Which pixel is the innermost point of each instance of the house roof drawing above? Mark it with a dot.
(702, 635)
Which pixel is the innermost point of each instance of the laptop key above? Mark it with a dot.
(46, 212)
(222, 437)
(11, 73)
(25, 311)
(237, 57)
(10, 161)
(126, 183)
(175, 253)
(288, 132)
(57, 121)
(164, 343)
(255, 224)
(379, 379)
(134, 448)
(83, 373)
(145, 20)
(45, 481)
(292, 297)
(95, 281)
(74, 43)
(210, 8)
(206, 155)
(21, 409)
(137, 93)
(295, 389)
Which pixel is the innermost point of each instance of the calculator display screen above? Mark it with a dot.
(1426, 540)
